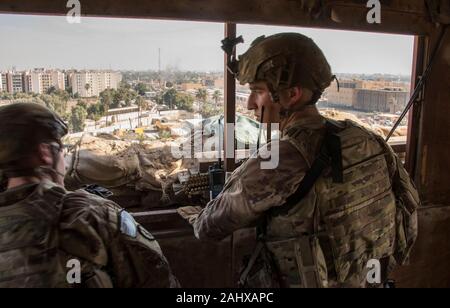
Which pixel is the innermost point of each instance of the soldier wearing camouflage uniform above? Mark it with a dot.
(361, 206)
(43, 226)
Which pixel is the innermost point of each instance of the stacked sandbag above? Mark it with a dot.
(139, 174)
(379, 129)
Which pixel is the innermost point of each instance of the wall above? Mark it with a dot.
(433, 164)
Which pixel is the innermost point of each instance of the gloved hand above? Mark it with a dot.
(190, 213)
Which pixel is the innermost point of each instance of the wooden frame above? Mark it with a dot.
(399, 17)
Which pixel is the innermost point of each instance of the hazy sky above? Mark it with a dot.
(39, 41)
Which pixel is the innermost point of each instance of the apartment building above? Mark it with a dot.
(92, 83)
(42, 80)
(16, 82)
(1, 82)
(68, 79)
(12, 82)
(27, 82)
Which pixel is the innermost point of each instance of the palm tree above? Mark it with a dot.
(170, 97)
(216, 96)
(142, 104)
(201, 95)
(106, 99)
(87, 87)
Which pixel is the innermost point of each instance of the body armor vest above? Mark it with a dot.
(328, 238)
(29, 255)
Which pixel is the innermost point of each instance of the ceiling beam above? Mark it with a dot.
(398, 16)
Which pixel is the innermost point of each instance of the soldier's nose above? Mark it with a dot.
(251, 105)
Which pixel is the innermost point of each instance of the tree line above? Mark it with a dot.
(124, 96)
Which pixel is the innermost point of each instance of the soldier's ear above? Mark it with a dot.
(295, 95)
(44, 154)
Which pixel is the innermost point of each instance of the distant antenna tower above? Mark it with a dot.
(159, 67)
(159, 60)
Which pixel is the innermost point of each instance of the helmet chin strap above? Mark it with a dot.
(285, 113)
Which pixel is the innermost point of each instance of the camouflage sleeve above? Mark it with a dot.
(250, 192)
(98, 232)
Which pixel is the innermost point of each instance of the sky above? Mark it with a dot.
(132, 44)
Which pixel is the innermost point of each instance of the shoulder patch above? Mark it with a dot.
(128, 225)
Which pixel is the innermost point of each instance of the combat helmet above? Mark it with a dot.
(285, 60)
(22, 127)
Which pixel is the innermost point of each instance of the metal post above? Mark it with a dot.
(230, 106)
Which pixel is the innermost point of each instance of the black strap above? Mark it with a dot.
(329, 154)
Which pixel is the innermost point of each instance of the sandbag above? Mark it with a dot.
(143, 172)
(108, 163)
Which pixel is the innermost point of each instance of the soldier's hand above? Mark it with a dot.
(190, 213)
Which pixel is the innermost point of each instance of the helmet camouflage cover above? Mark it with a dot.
(24, 125)
(285, 60)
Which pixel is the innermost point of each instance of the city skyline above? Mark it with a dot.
(31, 69)
(133, 45)
(40, 81)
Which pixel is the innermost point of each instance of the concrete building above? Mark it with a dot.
(7, 82)
(27, 82)
(92, 83)
(1, 82)
(6, 86)
(346, 96)
(16, 80)
(389, 100)
(190, 86)
(381, 84)
(68, 79)
(58, 80)
(42, 80)
(370, 96)
(219, 83)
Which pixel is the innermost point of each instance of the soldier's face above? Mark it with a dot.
(46, 158)
(260, 98)
(61, 167)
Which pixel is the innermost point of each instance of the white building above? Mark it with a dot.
(27, 82)
(41, 81)
(11, 82)
(16, 82)
(4, 81)
(92, 83)
(85, 83)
